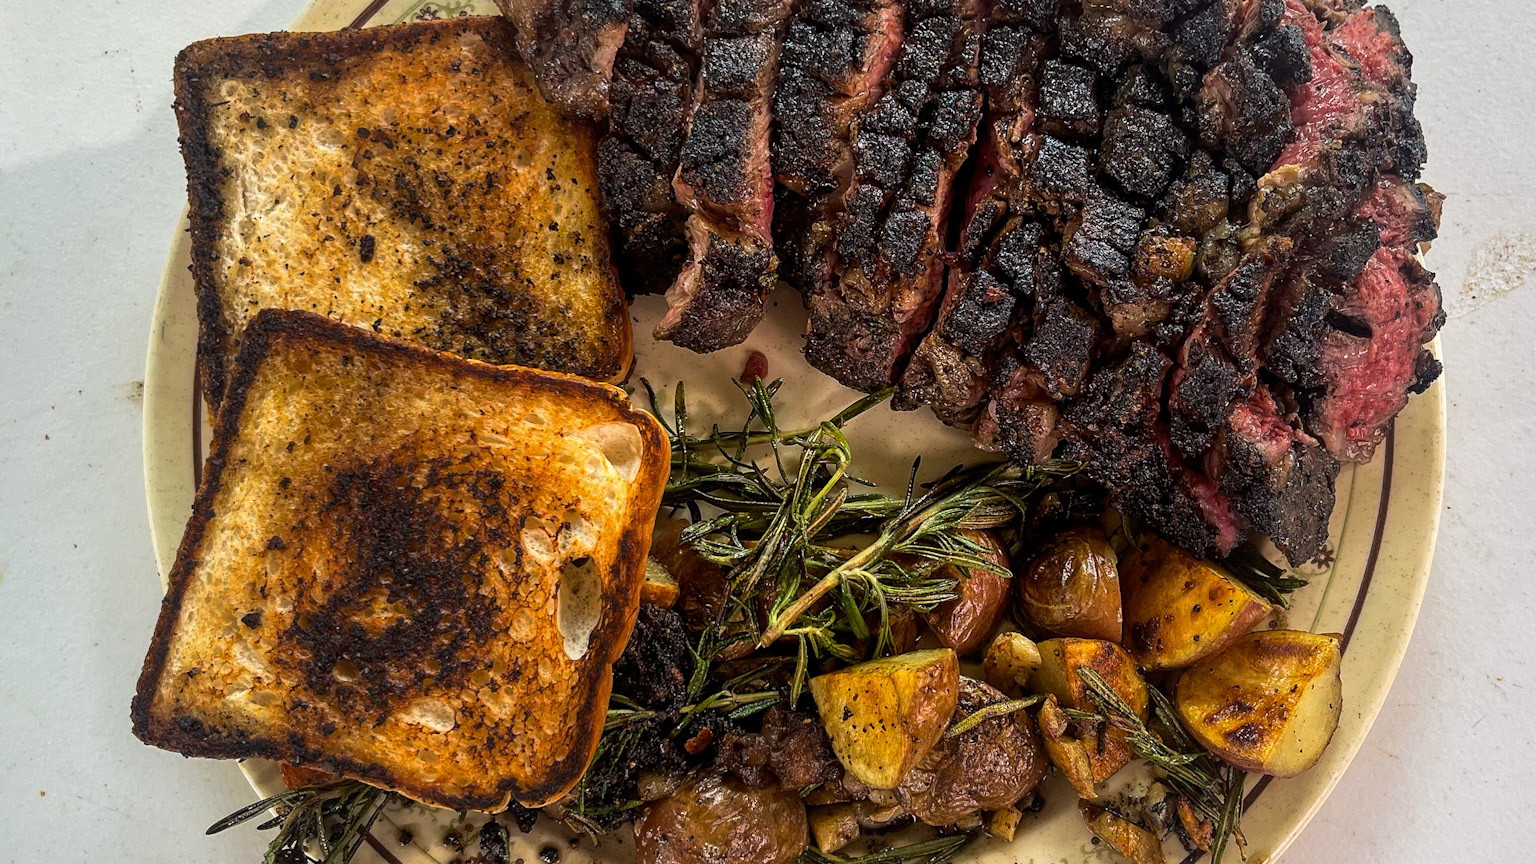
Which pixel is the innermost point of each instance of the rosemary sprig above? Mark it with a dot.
(332, 819)
(924, 534)
(1264, 576)
(1213, 788)
(998, 709)
(935, 851)
(774, 507)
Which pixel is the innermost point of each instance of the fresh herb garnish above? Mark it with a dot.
(1213, 788)
(1275, 583)
(935, 851)
(776, 508)
(331, 820)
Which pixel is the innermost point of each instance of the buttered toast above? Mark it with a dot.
(406, 568)
(409, 179)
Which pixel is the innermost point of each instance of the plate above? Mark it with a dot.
(1367, 584)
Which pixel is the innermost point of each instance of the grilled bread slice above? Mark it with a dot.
(409, 179)
(405, 567)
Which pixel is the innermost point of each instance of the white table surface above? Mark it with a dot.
(90, 186)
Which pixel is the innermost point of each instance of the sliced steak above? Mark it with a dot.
(1113, 427)
(1280, 479)
(836, 58)
(1374, 361)
(717, 299)
(570, 45)
(907, 148)
(725, 180)
(652, 95)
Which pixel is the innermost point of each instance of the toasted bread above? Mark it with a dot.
(409, 179)
(405, 567)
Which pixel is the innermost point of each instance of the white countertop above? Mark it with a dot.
(90, 186)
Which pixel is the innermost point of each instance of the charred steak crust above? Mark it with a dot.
(1228, 187)
(725, 182)
(651, 95)
(892, 232)
(1175, 239)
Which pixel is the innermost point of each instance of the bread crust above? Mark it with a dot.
(603, 351)
(192, 737)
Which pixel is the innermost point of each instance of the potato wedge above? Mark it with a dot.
(833, 826)
(965, 622)
(1072, 587)
(1180, 610)
(1069, 755)
(716, 819)
(1010, 660)
(1268, 704)
(1137, 844)
(884, 716)
(659, 588)
(1061, 662)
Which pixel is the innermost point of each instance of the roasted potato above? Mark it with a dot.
(833, 826)
(1010, 660)
(1061, 662)
(988, 767)
(884, 716)
(965, 622)
(1004, 824)
(659, 588)
(1180, 610)
(1137, 844)
(1072, 587)
(716, 819)
(701, 583)
(1068, 754)
(1268, 704)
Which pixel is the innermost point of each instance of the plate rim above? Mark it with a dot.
(162, 480)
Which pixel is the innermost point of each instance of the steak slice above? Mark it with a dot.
(1371, 38)
(1350, 332)
(1280, 479)
(994, 282)
(651, 96)
(570, 45)
(836, 58)
(1114, 429)
(907, 148)
(717, 299)
(1377, 360)
(725, 181)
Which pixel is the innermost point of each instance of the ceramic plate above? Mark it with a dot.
(1367, 584)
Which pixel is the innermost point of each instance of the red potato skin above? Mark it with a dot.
(715, 819)
(1071, 587)
(965, 623)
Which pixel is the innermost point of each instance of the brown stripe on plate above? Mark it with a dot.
(383, 851)
(367, 14)
(1382, 505)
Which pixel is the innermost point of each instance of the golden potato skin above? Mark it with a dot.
(833, 826)
(1071, 587)
(1069, 755)
(1268, 704)
(1180, 610)
(717, 819)
(1137, 844)
(1010, 660)
(883, 716)
(1060, 663)
(989, 767)
(965, 622)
